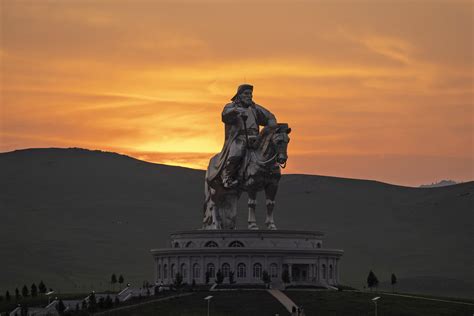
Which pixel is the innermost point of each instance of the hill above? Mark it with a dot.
(72, 217)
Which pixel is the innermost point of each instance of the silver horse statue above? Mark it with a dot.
(260, 170)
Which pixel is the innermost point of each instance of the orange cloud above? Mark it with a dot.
(151, 79)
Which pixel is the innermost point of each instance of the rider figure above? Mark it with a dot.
(240, 117)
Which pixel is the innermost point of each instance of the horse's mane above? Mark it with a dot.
(268, 132)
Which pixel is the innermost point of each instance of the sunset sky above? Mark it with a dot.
(379, 90)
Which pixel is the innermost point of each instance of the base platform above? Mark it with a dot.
(246, 254)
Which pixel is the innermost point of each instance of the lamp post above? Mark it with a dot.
(208, 299)
(375, 302)
(49, 296)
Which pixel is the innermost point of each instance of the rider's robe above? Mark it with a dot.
(233, 128)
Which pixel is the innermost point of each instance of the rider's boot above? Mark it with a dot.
(229, 182)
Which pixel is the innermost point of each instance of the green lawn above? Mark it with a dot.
(332, 303)
(320, 303)
(229, 303)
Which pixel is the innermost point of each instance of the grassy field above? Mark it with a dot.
(356, 303)
(321, 303)
(255, 302)
(229, 303)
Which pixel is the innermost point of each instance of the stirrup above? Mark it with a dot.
(230, 184)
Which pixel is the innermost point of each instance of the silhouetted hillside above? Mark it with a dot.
(72, 217)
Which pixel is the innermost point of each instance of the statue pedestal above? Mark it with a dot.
(248, 253)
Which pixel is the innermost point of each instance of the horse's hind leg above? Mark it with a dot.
(252, 203)
(270, 193)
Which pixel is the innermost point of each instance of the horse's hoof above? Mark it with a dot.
(271, 226)
(253, 226)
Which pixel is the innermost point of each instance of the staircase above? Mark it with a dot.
(283, 299)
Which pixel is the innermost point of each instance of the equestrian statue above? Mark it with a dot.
(250, 160)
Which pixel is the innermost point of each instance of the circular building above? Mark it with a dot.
(246, 254)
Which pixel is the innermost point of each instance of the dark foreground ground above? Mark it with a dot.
(261, 303)
(228, 303)
(357, 303)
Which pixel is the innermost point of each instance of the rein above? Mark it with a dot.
(264, 149)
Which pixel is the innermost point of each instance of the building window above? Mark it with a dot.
(318, 245)
(257, 271)
(236, 243)
(165, 271)
(241, 270)
(196, 271)
(324, 272)
(211, 244)
(159, 271)
(330, 271)
(173, 271)
(274, 270)
(190, 244)
(225, 270)
(211, 269)
(176, 244)
(184, 271)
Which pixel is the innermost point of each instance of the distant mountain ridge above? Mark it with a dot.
(441, 183)
(72, 217)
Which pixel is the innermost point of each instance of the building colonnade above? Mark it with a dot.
(246, 268)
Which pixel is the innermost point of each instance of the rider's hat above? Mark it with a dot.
(241, 89)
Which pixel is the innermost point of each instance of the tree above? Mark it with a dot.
(108, 302)
(92, 306)
(84, 305)
(17, 294)
(101, 302)
(24, 291)
(219, 277)
(34, 290)
(372, 280)
(42, 287)
(266, 278)
(7, 296)
(148, 293)
(24, 311)
(231, 277)
(113, 280)
(178, 280)
(393, 281)
(60, 307)
(120, 280)
(285, 276)
(208, 275)
(116, 301)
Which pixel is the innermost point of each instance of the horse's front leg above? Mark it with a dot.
(252, 203)
(270, 193)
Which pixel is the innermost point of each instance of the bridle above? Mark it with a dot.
(272, 160)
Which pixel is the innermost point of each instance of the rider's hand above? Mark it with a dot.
(240, 111)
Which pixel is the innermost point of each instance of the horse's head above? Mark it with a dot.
(280, 140)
